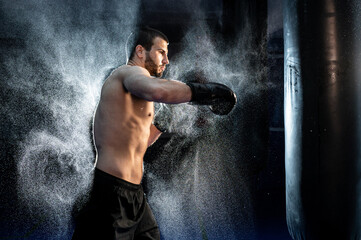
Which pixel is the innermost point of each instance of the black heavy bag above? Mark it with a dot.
(323, 118)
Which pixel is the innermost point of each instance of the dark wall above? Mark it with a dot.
(258, 119)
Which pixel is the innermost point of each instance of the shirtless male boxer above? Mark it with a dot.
(123, 129)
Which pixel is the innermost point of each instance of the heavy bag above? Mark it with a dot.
(322, 104)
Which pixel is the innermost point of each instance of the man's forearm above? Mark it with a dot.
(172, 92)
(154, 135)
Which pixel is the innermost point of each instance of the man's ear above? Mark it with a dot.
(140, 51)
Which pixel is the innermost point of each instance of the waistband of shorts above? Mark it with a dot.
(115, 181)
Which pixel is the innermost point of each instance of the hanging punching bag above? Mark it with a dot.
(322, 100)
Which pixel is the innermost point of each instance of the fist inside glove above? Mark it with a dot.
(220, 98)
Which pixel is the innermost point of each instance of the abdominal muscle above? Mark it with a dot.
(121, 131)
(118, 164)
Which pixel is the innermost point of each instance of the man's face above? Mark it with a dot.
(157, 58)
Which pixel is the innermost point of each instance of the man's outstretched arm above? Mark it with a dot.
(219, 97)
(138, 81)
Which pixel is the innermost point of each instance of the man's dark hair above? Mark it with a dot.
(145, 37)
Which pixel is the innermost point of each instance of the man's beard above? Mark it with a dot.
(151, 66)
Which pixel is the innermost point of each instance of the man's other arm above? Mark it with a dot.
(154, 135)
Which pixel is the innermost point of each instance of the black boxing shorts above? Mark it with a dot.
(116, 209)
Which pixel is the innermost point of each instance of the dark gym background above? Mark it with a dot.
(226, 18)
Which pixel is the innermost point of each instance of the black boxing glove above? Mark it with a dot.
(220, 98)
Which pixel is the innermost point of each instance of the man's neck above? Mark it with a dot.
(133, 62)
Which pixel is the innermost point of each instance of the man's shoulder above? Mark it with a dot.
(128, 69)
(119, 75)
(126, 74)
(115, 77)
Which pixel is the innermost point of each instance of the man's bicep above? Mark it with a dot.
(132, 73)
(136, 81)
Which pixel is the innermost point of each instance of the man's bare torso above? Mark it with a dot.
(121, 129)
